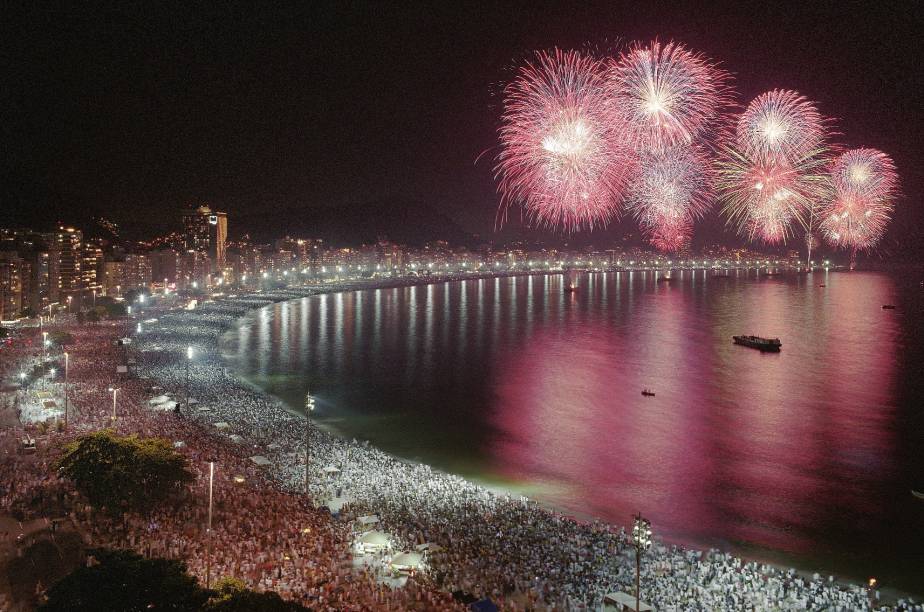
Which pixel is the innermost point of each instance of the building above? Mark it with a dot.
(165, 264)
(10, 285)
(64, 265)
(206, 231)
(137, 272)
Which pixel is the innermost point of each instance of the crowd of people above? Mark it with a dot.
(269, 533)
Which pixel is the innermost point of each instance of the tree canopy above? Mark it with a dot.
(118, 472)
(123, 581)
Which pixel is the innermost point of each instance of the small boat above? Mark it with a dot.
(888, 307)
(648, 393)
(571, 288)
(917, 494)
(762, 344)
(666, 279)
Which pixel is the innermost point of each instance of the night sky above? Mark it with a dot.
(136, 112)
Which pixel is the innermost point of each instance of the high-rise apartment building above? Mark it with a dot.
(206, 231)
(10, 285)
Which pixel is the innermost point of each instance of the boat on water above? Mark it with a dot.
(888, 307)
(648, 393)
(571, 288)
(762, 344)
(666, 279)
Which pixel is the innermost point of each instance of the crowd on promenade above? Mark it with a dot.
(268, 533)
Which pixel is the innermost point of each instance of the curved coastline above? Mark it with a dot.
(285, 476)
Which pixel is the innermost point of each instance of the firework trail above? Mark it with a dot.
(668, 95)
(564, 154)
(780, 124)
(673, 188)
(864, 187)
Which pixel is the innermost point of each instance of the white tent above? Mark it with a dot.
(236, 438)
(370, 519)
(624, 601)
(375, 540)
(222, 425)
(406, 560)
(160, 399)
(331, 470)
(167, 405)
(336, 504)
(261, 461)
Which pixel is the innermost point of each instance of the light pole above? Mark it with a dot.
(115, 394)
(641, 539)
(189, 356)
(309, 408)
(208, 554)
(66, 364)
(44, 355)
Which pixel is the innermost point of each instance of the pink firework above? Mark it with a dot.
(865, 184)
(764, 197)
(564, 156)
(669, 235)
(668, 94)
(673, 187)
(780, 124)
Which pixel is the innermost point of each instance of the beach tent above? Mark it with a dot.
(368, 520)
(236, 438)
(336, 504)
(331, 470)
(167, 405)
(222, 425)
(406, 560)
(160, 399)
(375, 540)
(624, 601)
(261, 461)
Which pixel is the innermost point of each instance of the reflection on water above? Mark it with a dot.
(805, 455)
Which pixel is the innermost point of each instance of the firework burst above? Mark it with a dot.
(672, 189)
(669, 235)
(865, 183)
(780, 124)
(667, 94)
(764, 197)
(564, 154)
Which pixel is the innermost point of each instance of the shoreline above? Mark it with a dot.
(494, 488)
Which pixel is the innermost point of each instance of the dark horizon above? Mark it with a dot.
(134, 114)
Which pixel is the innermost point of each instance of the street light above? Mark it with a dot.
(641, 539)
(208, 557)
(189, 356)
(66, 364)
(115, 394)
(309, 408)
(44, 355)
